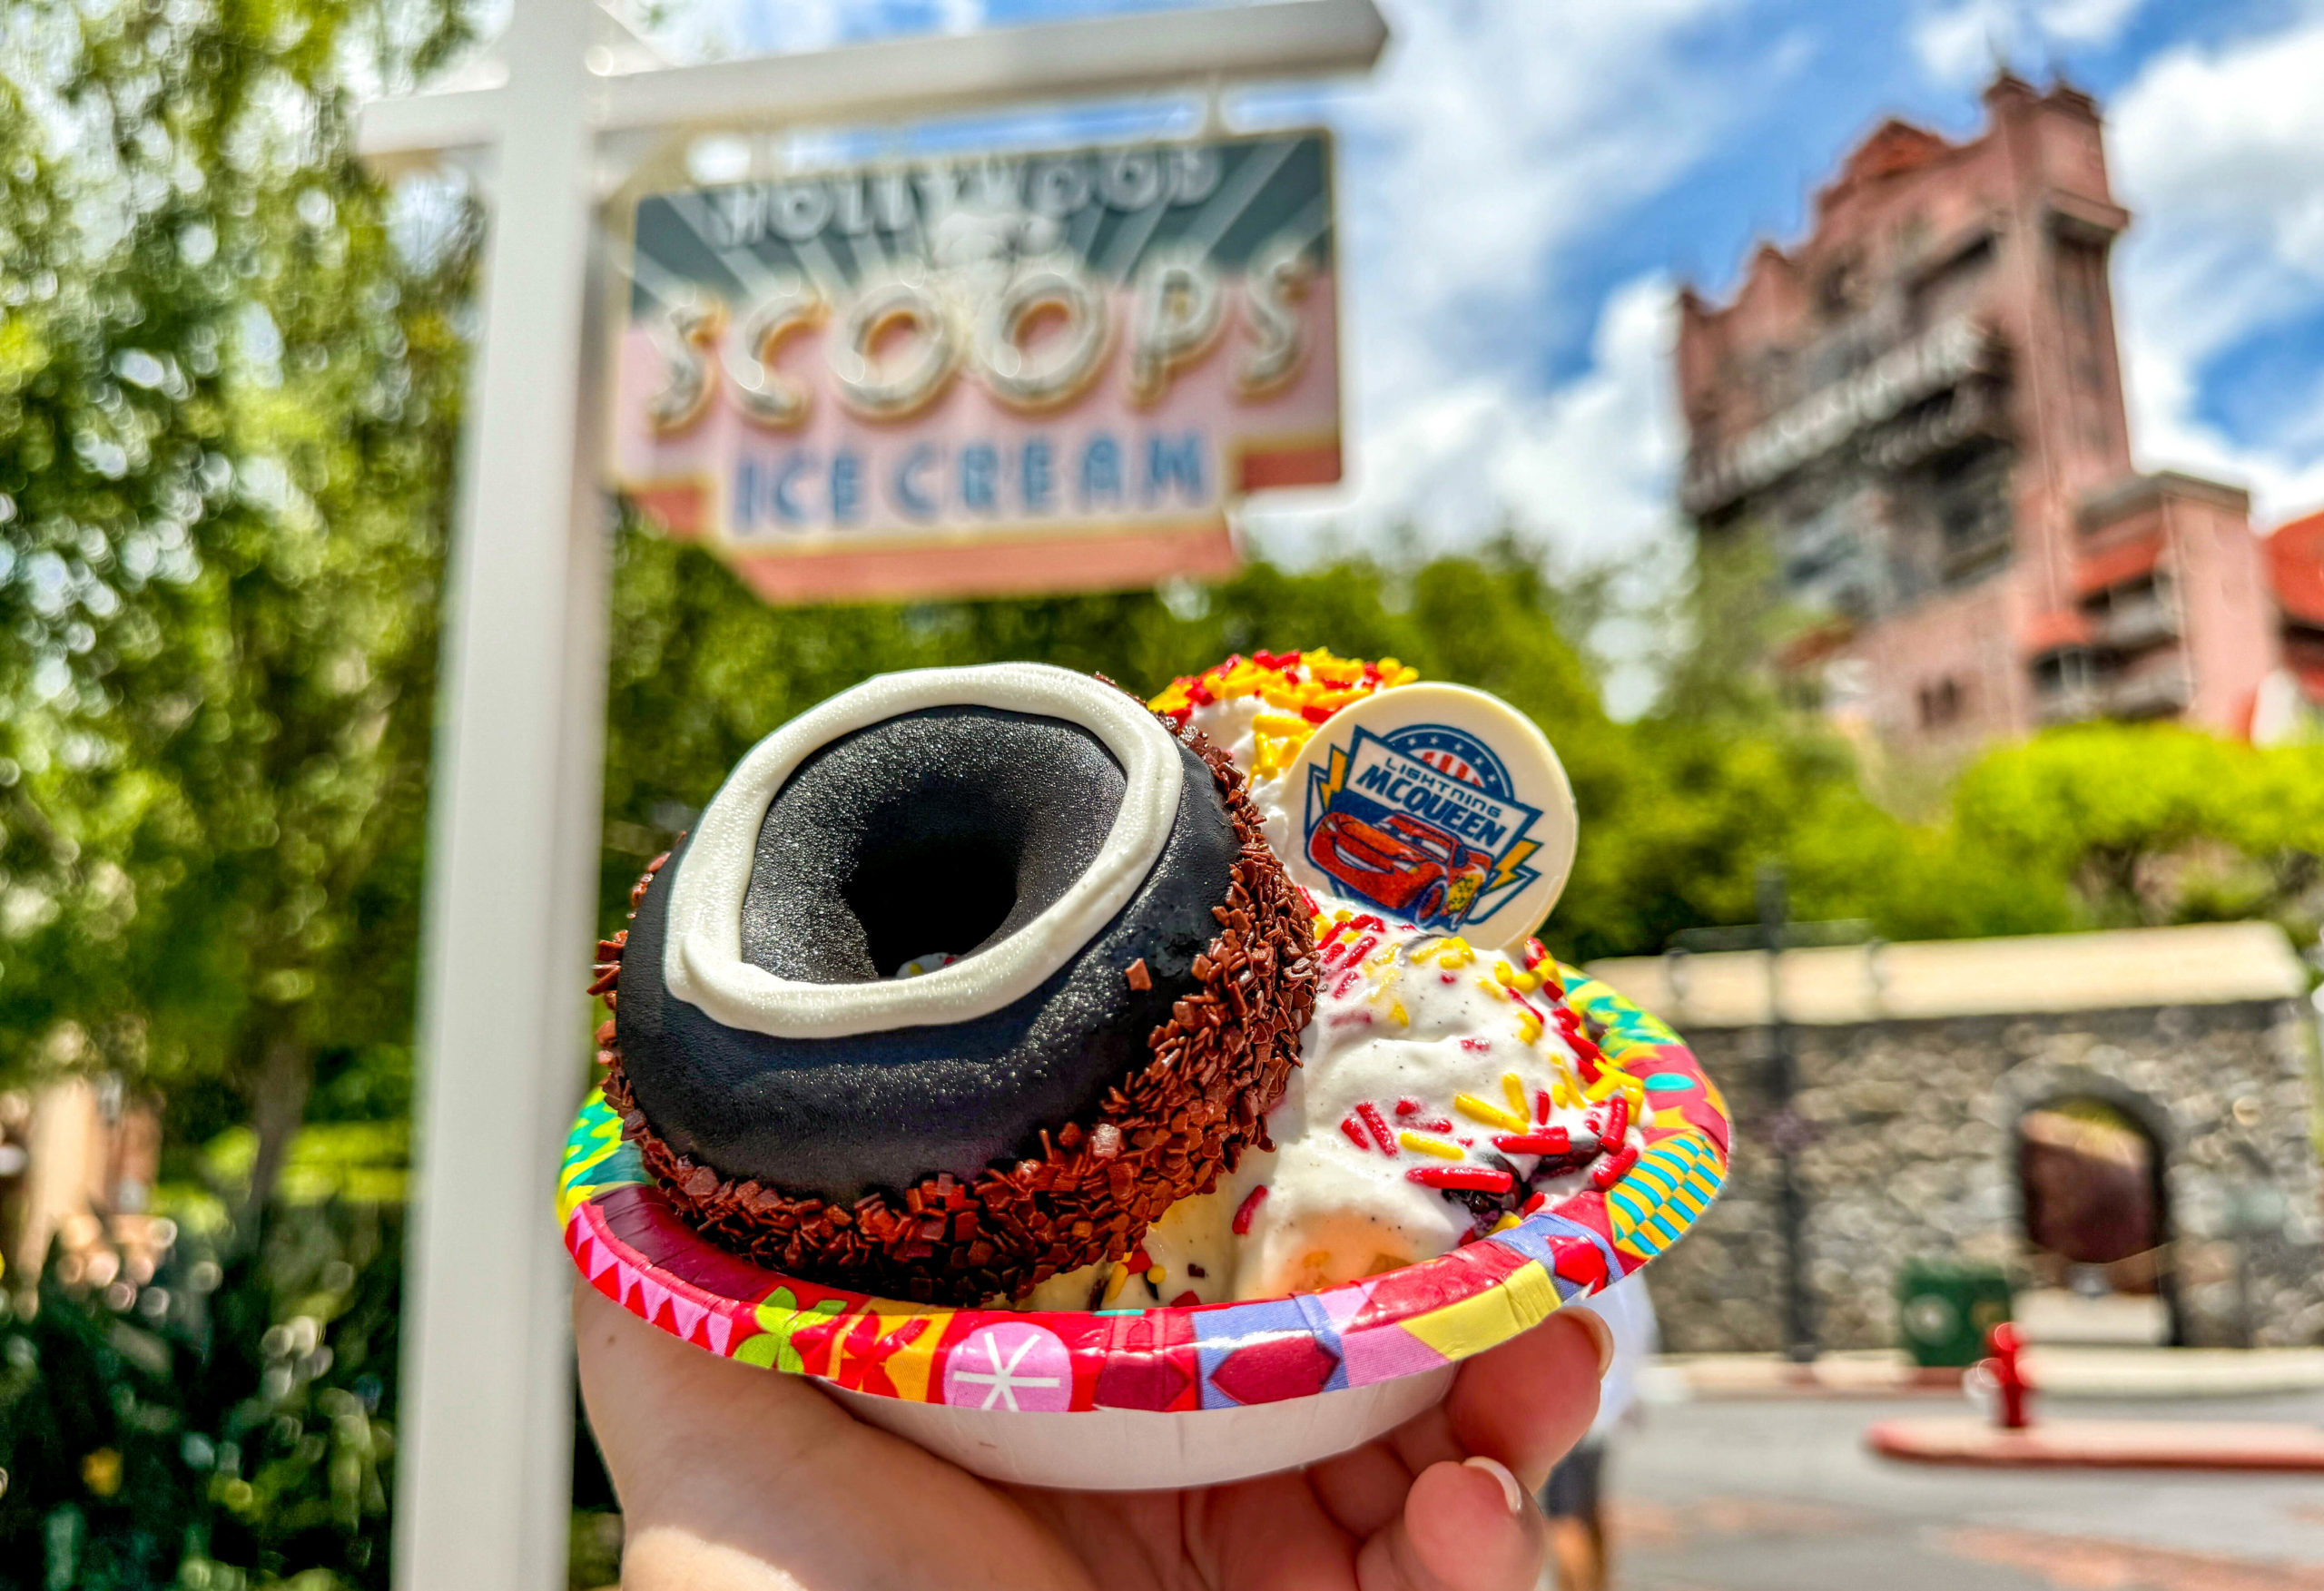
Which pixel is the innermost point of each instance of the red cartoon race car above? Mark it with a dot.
(1411, 868)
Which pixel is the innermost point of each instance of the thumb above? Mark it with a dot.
(1465, 1526)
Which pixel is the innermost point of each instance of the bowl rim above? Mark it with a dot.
(628, 1243)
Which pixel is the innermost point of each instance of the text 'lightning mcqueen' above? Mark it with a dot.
(1411, 868)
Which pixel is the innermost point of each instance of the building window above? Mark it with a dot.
(2082, 283)
(2081, 265)
(1969, 493)
(2063, 671)
(1943, 703)
(1837, 289)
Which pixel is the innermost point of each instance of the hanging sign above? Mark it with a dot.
(983, 374)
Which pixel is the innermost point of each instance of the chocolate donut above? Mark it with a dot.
(1119, 974)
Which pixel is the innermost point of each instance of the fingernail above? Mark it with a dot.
(1511, 1493)
(1601, 1334)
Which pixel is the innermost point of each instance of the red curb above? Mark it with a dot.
(2101, 1444)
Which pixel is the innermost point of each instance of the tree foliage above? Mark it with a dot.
(2102, 825)
(222, 1427)
(701, 669)
(2154, 823)
(226, 406)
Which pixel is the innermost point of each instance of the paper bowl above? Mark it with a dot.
(1145, 1398)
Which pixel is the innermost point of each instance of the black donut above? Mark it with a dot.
(960, 1159)
(944, 830)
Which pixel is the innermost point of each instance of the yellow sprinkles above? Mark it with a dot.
(1451, 953)
(1488, 1113)
(1508, 976)
(1305, 688)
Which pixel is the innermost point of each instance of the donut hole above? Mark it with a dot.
(935, 833)
(926, 888)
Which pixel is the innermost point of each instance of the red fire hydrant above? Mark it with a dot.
(2007, 1372)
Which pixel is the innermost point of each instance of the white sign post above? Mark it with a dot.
(483, 1458)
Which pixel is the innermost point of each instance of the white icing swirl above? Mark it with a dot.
(703, 957)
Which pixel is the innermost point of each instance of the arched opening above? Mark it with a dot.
(2097, 1228)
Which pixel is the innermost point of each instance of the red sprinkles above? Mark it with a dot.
(1479, 1179)
(1613, 1168)
(1618, 1120)
(1248, 1208)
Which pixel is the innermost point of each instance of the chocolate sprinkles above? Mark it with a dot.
(1085, 1193)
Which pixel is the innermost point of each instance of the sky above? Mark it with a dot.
(1524, 184)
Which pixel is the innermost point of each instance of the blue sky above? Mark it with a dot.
(1523, 182)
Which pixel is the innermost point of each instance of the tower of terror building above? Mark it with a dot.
(1920, 410)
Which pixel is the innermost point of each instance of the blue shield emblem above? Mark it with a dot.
(1423, 823)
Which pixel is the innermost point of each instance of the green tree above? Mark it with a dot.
(701, 669)
(2153, 824)
(1717, 629)
(227, 407)
(222, 1427)
(230, 403)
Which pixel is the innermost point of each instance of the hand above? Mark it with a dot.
(735, 1478)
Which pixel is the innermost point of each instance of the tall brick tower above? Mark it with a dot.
(1920, 407)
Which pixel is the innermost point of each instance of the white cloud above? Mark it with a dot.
(2084, 22)
(1956, 42)
(2221, 153)
(1500, 139)
(1589, 462)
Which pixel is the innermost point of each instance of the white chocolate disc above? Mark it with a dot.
(1438, 805)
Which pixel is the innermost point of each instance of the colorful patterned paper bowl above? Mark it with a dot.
(1147, 1398)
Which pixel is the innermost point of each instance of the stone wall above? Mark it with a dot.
(1910, 1155)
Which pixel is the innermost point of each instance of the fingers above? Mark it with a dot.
(1271, 1534)
(1525, 1403)
(1465, 1526)
(731, 1476)
(658, 1405)
(1363, 1490)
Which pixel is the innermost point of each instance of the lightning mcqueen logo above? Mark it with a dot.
(1401, 863)
(1421, 824)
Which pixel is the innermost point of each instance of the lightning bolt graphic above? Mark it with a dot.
(1323, 786)
(1510, 863)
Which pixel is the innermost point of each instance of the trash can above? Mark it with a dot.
(1944, 1311)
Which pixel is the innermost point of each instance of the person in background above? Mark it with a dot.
(1575, 1499)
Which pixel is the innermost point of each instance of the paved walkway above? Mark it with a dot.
(2060, 1372)
(1781, 1495)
